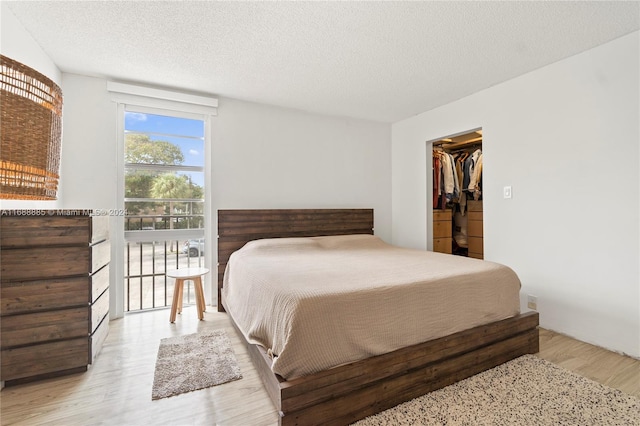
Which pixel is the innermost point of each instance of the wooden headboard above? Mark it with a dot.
(237, 227)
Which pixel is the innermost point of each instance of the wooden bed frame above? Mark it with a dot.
(345, 394)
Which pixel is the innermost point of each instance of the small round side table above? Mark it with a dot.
(185, 274)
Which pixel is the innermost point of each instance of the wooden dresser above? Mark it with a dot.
(54, 292)
(475, 234)
(442, 231)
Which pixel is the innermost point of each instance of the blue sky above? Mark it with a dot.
(192, 149)
(166, 128)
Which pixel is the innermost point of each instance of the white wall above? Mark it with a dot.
(269, 157)
(16, 43)
(89, 144)
(566, 137)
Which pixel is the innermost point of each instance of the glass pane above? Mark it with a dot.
(150, 123)
(157, 184)
(143, 216)
(143, 148)
(160, 139)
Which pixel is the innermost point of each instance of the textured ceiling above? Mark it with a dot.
(382, 61)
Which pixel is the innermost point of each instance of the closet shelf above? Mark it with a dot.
(458, 145)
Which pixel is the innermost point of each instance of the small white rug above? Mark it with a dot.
(525, 391)
(192, 362)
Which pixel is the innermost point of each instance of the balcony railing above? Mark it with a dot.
(156, 244)
(156, 222)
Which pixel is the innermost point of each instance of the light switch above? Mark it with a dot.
(507, 192)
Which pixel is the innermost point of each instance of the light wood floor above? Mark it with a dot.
(117, 388)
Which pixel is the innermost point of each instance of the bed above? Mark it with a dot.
(381, 376)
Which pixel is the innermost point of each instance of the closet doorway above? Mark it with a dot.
(457, 195)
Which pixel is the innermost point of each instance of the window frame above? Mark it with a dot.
(159, 102)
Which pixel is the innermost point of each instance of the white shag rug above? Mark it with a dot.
(525, 391)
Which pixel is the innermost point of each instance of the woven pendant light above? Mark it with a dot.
(31, 112)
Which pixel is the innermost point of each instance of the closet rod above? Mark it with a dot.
(454, 150)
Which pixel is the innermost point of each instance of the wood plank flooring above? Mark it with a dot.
(117, 388)
(598, 364)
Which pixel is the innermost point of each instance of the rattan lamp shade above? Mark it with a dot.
(31, 112)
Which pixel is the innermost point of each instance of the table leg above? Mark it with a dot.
(181, 295)
(200, 305)
(177, 290)
(204, 301)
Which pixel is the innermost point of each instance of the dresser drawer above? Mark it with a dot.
(44, 358)
(99, 229)
(100, 256)
(474, 206)
(97, 339)
(474, 228)
(20, 297)
(52, 227)
(51, 262)
(442, 229)
(476, 245)
(99, 283)
(26, 329)
(474, 215)
(45, 262)
(44, 230)
(442, 215)
(442, 245)
(99, 310)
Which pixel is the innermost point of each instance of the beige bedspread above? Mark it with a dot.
(316, 303)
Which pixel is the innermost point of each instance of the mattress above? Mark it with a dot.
(319, 302)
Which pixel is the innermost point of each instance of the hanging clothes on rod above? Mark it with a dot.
(457, 176)
(474, 182)
(446, 187)
(437, 184)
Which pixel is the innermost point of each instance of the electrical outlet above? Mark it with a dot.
(532, 302)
